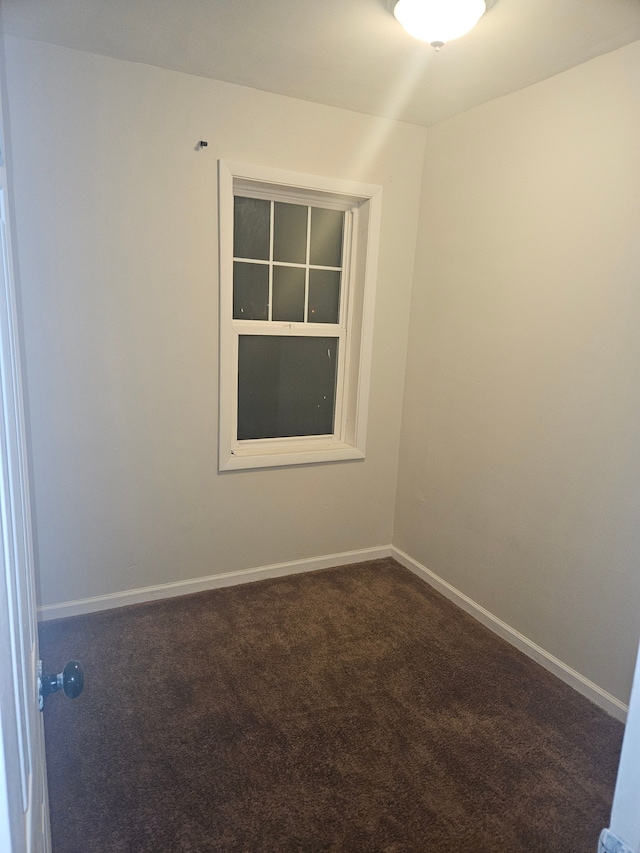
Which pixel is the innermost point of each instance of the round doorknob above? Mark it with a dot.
(70, 680)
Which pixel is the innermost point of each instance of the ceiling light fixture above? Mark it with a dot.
(438, 21)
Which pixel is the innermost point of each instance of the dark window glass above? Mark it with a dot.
(288, 294)
(324, 296)
(251, 228)
(289, 233)
(286, 386)
(326, 237)
(250, 291)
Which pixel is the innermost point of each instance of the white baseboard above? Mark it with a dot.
(171, 590)
(565, 673)
(587, 688)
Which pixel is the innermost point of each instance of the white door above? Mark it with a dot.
(624, 833)
(24, 817)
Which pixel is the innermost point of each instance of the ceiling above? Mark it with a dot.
(345, 53)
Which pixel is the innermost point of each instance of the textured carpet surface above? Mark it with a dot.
(352, 709)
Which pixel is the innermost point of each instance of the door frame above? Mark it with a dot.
(24, 811)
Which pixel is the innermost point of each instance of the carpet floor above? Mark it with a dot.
(351, 709)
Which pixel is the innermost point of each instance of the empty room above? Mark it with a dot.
(320, 374)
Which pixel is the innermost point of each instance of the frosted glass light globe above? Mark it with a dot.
(439, 21)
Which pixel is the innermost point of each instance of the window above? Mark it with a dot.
(298, 260)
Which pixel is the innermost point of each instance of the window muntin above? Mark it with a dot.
(297, 273)
(290, 253)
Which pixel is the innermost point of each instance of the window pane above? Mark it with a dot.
(288, 294)
(324, 296)
(251, 228)
(286, 386)
(326, 237)
(290, 233)
(250, 291)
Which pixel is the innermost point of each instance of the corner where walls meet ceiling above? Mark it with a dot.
(344, 53)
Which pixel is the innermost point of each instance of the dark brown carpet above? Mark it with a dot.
(351, 709)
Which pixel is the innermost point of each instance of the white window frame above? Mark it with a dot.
(362, 204)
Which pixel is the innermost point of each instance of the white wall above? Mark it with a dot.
(116, 226)
(519, 478)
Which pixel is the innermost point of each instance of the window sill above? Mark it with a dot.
(277, 457)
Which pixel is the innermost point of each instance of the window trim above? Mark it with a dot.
(362, 203)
